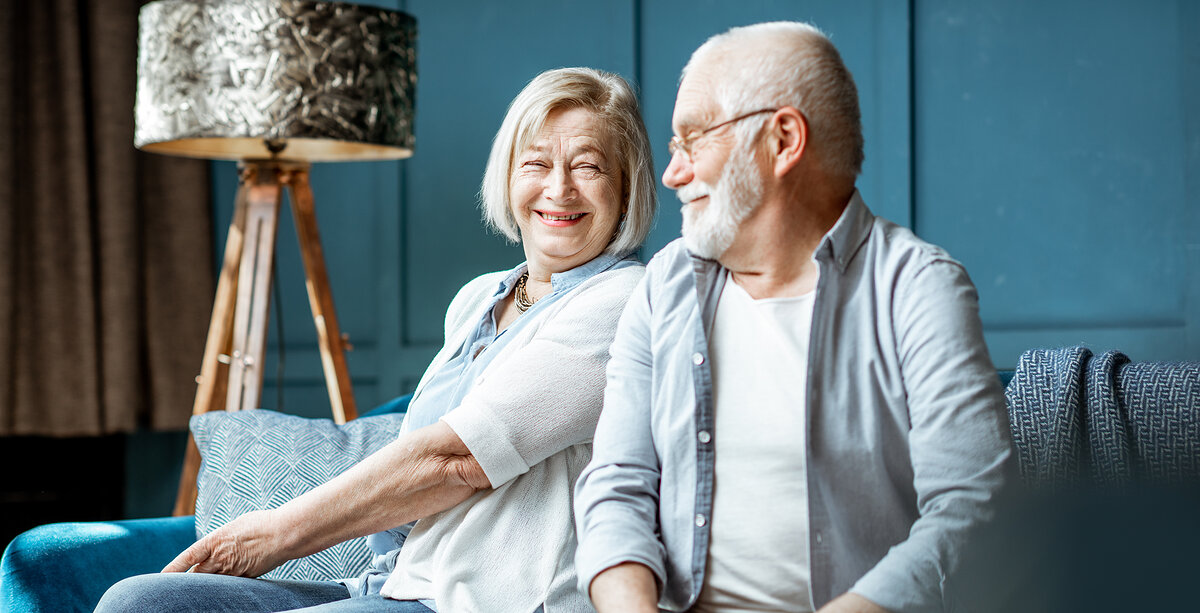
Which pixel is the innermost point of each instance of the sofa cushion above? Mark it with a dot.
(260, 459)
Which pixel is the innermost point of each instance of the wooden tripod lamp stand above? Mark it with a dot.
(276, 85)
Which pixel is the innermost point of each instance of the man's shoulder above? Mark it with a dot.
(897, 245)
(675, 280)
(906, 261)
(672, 259)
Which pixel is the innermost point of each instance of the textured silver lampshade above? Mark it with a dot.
(303, 80)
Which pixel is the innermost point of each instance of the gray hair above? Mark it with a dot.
(787, 63)
(613, 100)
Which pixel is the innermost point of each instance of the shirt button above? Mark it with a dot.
(704, 436)
(697, 358)
(819, 537)
(700, 521)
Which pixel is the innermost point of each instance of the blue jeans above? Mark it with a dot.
(200, 592)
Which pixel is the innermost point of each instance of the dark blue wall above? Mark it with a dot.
(1051, 146)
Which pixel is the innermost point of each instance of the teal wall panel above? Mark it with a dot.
(1052, 158)
(1053, 147)
(1189, 76)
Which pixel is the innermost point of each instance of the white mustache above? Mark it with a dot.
(692, 191)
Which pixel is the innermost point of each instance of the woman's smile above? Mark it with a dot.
(560, 219)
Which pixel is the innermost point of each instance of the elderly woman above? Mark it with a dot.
(501, 423)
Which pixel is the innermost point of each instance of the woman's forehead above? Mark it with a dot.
(576, 128)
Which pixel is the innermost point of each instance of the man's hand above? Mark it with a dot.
(248, 546)
(625, 588)
(851, 603)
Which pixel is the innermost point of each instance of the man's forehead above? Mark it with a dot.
(695, 104)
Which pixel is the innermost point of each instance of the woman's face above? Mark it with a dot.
(565, 192)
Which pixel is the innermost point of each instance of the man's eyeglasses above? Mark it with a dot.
(683, 144)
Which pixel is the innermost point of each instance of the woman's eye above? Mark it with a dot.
(535, 164)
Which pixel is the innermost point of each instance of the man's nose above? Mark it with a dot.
(559, 185)
(678, 172)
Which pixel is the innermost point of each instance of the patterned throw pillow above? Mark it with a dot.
(260, 459)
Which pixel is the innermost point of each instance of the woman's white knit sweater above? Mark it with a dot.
(529, 423)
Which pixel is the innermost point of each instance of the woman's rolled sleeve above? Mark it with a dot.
(478, 427)
(547, 395)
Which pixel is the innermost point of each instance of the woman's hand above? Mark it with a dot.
(420, 473)
(248, 546)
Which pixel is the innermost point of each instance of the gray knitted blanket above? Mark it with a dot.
(1079, 419)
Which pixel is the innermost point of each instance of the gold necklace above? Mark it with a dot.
(521, 296)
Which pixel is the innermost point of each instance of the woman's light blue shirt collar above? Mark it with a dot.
(567, 279)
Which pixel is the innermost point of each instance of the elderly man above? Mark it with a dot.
(801, 413)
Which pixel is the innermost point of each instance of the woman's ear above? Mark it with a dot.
(788, 139)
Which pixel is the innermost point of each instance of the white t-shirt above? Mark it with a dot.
(758, 557)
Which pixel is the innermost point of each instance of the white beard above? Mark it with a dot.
(710, 231)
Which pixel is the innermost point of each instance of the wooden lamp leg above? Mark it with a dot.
(210, 393)
(254, 290)
(237, 333)
(320, 299)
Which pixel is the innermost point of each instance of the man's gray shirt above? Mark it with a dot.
(908, 434)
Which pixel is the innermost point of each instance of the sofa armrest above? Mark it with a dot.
(68, 566)
(398, 404)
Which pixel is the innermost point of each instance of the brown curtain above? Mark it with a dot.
(106, 279)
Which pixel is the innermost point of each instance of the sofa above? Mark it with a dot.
(64, 567)
(1103, 517)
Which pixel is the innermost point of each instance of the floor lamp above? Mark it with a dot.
(275, 85)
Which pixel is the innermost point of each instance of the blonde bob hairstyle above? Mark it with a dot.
(609, 97)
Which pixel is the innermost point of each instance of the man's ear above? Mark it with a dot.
(788, 139)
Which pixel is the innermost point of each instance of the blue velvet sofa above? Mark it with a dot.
(1108, 452)
(64, 567)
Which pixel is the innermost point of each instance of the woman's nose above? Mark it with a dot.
(559, 185)
(678, 172)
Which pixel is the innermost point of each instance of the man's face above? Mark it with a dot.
(709, 229)
(720, 185)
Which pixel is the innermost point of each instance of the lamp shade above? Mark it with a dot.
(289, 79)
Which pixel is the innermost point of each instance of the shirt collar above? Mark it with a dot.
(567, 279)
(846, 236)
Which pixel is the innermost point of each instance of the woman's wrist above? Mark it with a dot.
(292, 530)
